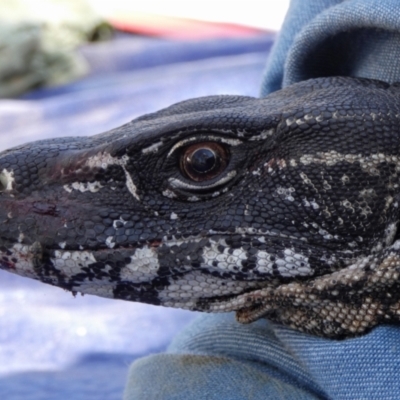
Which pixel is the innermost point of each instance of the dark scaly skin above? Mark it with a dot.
(300, 226)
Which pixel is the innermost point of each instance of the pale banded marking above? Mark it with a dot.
(263, 135)
(336, 115)
(224, 260)
(153, 148)
(130, 185)
(82, 187)
(104, 160)
(367, 163)
(72, 262)
(292, 264)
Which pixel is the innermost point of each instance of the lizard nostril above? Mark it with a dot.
(6, 180)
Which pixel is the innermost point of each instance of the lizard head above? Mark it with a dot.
(199, 204)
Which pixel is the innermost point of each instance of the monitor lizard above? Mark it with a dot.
(285, 207)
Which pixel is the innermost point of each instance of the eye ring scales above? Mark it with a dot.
(203, 161)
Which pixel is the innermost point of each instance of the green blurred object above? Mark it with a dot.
(38, 41)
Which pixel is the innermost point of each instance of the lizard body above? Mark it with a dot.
(285, 207)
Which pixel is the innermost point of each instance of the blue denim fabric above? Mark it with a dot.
(358, 38)
(216, 358)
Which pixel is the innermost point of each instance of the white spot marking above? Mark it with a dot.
(21, 237)
(345, 179)
(347, 204)
(121, 220)
(7, 179)
(193, 198)
(390, 233)
(143, 266)
(315, 206)
(286, 193)
(110, 242)
(169, 193)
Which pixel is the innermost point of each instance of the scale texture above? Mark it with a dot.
(284, 207)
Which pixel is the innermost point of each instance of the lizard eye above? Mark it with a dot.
(203, 161)
(202, 166)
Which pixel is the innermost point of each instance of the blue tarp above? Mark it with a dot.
(54, 346)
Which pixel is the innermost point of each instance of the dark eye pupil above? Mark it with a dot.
(203, 160)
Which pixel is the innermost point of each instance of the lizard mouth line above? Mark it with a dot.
(247, 304)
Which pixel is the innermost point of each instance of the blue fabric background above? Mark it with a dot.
(357, 38)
